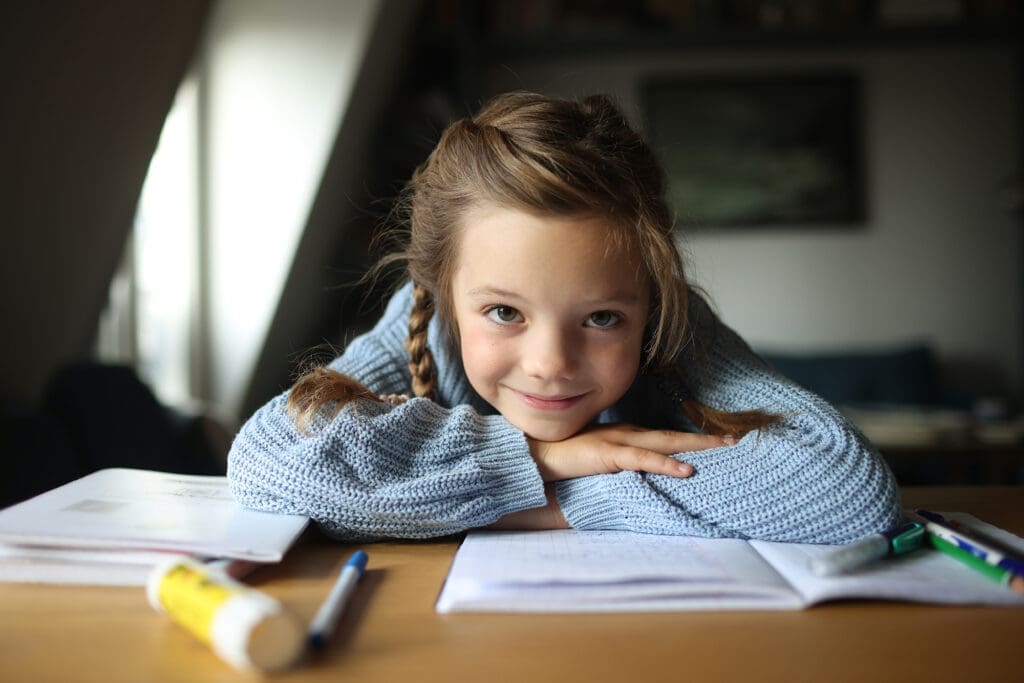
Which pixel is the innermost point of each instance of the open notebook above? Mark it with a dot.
(608, 571)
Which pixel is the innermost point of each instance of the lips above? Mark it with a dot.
(549, 402)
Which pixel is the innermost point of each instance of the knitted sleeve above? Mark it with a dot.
(377, 470)
(811, 478)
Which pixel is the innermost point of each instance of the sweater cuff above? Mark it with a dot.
(505, 458)
(584, 504)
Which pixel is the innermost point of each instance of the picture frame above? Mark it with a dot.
(759, 150)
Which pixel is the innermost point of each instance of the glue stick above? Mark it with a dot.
(246, 628)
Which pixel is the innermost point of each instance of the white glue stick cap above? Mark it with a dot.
(252, 631)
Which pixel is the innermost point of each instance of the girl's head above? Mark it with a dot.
(531, 159)
(548, 157)
(492, 187)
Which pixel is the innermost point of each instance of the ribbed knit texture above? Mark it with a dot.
(426, 468)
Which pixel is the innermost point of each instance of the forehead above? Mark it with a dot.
(545, 255)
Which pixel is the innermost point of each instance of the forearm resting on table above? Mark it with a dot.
(547, 517)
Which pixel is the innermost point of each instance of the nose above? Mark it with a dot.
(550, 353)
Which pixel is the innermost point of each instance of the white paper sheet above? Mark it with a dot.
(126, 509)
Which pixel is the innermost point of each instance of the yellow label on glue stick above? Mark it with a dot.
(192, 598)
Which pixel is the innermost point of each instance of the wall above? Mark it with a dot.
(939, 258)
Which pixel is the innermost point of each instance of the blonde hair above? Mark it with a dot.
(549, 156)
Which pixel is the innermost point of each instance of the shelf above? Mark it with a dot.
(607, 43)
(534, 30)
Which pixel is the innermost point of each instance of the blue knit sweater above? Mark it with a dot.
(430, 468)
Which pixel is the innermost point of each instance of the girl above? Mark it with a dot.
(560, 367)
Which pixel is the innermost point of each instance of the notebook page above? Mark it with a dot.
(577, 571)
(923, 575)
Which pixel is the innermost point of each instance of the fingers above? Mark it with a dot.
(683, 442)
(615, 448)
(642, 460)
(666, 441)
(647, 450)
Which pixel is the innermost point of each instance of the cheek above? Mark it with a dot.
(481, 355)
(619, 366)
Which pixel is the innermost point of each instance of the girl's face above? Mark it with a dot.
(550, 316)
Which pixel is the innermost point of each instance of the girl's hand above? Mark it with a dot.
(611, 448)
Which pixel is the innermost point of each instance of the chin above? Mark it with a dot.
(550, 432)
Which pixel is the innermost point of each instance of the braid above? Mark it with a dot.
(421, 360)
(320, 386)
(722, 423)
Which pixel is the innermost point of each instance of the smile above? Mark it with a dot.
(549, 402)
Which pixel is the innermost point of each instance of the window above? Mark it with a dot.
(153, 316)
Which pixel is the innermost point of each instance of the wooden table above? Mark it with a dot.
(391, 633)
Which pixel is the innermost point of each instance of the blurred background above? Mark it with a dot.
(191, 191)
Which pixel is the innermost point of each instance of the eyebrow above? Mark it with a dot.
(629, 298)
(480, 292)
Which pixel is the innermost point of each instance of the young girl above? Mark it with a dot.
(561, 371)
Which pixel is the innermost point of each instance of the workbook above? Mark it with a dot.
(617, 571)
(112, 526)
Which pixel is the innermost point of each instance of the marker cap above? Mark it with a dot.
(911, 537)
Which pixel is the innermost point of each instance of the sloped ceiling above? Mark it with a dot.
(87, 88)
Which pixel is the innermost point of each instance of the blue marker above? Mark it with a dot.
(327, 616)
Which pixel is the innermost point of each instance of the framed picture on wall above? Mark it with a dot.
(760, 150)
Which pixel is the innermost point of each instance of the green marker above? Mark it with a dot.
(993, 572)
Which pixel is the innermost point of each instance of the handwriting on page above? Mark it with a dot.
(573, 571)
(593, 556)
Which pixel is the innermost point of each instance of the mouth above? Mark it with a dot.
(561, 402)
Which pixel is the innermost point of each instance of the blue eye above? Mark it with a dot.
(603, 319)
(504, 314)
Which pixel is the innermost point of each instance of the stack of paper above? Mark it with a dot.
(111, 527)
